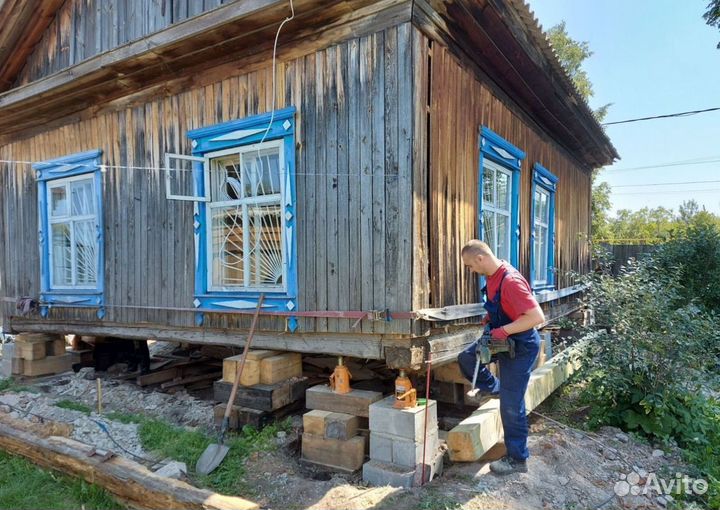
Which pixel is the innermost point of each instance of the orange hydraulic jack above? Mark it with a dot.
(405, 394)
(340, 378)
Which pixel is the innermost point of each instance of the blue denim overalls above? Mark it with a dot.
(514, 372)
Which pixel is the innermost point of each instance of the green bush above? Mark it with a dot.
(653, 365)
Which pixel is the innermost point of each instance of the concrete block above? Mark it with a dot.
(379, 474)
(402, 451)
(433, 468)
(408, 423)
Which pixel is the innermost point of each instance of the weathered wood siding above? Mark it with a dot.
(459, 104)
(354, 188)
(84, 28)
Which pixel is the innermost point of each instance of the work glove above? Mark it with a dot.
(485, 320)
(499, 334)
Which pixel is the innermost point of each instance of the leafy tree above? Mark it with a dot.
(572, 54)
(712, 15)
(601, 210)
(688, 210)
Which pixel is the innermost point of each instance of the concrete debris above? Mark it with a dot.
(173, 469)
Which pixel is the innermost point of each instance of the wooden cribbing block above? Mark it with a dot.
(477, 434)
(264, 397)
(18, 364)
(131, 482)
(280, 367)
(31, 351)
(346, 456)
(34, 338)
(55, 347)
(332, 425)
(251, 370)
(48, 365)
(241, 416)
(356, 402)
(449, 372)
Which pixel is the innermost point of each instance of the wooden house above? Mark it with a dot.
(160, 169)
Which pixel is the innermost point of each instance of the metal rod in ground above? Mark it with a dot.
(427, 403)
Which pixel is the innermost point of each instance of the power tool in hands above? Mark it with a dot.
(487, 348)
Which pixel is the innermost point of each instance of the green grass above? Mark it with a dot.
(186, 446)
(433, 500)
(74, 406)
(11, 385)
(26, 487)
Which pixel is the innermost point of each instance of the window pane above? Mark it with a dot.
(58, 201)
(261, 172)
(61, 255)
(537, 205)
(85, 253)
(266, 240)
(488, 186)
(503, 229)
(541, 248)
(225, 179)
(227, 247)
(489, 229)
(503, 191)
(82, 197)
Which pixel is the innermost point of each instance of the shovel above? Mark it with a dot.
(215, 453)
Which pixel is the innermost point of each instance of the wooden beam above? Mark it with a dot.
(126, 479)
(368, 346)
(477, 434)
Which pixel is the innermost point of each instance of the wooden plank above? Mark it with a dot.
(356, 402)
(265, 397)
(351, 76)
(377, 85)
(275, 369)
(30, 351)
(367, 63)
(306, 221)
(251, 370)
(314, 422)
(55, 347)
(241, 416)
(342, 185)
(320, 248)
(47, 365)
(126, 479)
(390, 229)
(345, 456)
(341, 426)
(477, 434)
(354, 345)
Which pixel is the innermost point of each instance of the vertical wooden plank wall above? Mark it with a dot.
(354, 161)
(84, 28)
(460, 103)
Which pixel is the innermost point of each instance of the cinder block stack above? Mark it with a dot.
(271, 386)
(40, 354)
(333, 430)
(396, 445)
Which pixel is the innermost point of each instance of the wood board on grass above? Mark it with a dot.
(127, 480)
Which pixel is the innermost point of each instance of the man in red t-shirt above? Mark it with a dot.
(512, 312)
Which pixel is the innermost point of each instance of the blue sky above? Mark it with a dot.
(651, 57)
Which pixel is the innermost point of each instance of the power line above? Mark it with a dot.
(711, 190)
(670, 115)
(661, 184)
(664, 165)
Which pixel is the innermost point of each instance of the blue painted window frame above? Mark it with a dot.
(495, 148)
(548, 181)
(236, 134)
(46, 172)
